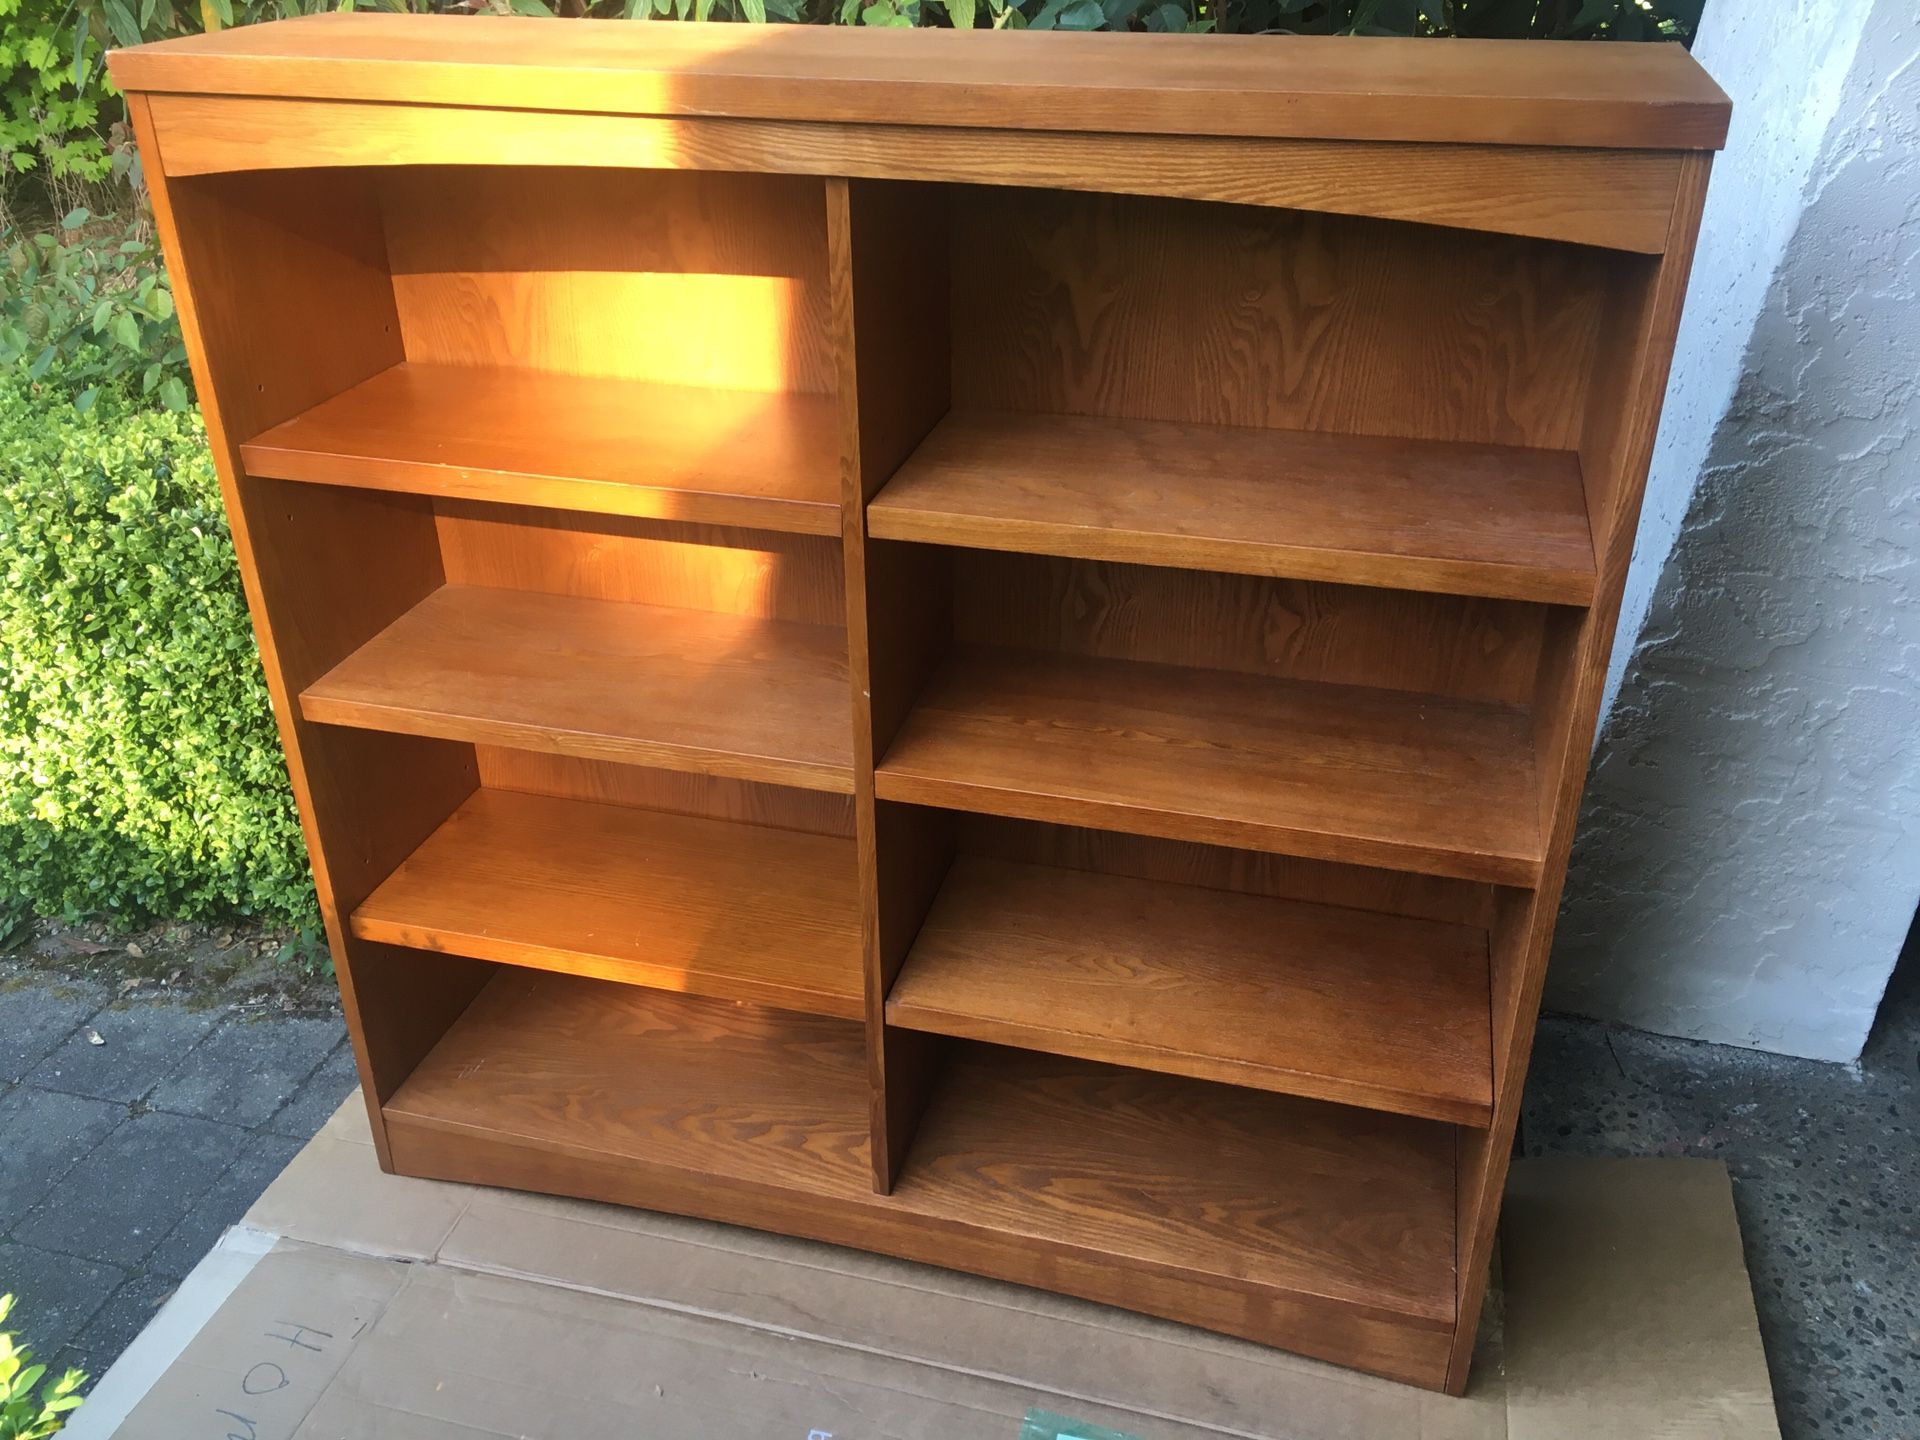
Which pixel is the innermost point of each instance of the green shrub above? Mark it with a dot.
(140, 769)
(92, 296)
(51, 99)
(24, 1415)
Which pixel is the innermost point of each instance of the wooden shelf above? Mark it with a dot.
(712, 907)
(572, 1067)
(1174, 1175)
(1366, 1009)
(1131, 1185)
(731, 695)
(1329, 772)
(620, 447)
(1417, 515)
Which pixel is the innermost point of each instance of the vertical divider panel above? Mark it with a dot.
(1621, 421)
(887, 258)
(296, 305)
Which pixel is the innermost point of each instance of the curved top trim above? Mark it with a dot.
(1490, 92)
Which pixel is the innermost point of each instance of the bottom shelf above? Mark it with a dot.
(1308, 1226)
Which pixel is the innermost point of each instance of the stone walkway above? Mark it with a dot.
(122, 1162)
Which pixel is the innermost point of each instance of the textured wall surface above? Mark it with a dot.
(1749, 856)
(1783, 63)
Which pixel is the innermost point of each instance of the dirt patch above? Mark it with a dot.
(202, 965)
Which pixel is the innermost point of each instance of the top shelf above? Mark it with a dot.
(768, 461)
(1416, 515)
(1486, 92)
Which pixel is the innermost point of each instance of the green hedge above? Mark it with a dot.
(140, 770)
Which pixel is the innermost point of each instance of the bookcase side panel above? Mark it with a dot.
(1622, 417)
(283, 299)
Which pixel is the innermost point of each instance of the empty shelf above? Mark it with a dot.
(1328, 772)
(1288, 1216)
(1375, 1010)
(570, 1067)
(604, 680)
(1417, 515)
(620, 447)
(713, 907)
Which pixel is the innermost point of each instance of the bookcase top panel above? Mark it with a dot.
(1486, 92)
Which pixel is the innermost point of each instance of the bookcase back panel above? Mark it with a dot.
(678, 277)
(1218, 867)
(1343, 634)
(651, 562)
(672, 791)
(1235, 315)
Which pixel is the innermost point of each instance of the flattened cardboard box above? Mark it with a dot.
(356, 1304)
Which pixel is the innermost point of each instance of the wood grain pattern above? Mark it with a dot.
(1220, 867)
(713, 280)
(1464, 647)
(1365, 1009)
(1332, 773)
(675, 452)
(728, 1091)
(570, 1085)
(1477, 91)
(722, 568)
(1457, 519)
(702, 906)
(602, 680)
(1146, 309)
(675, 792)
(1612, 198)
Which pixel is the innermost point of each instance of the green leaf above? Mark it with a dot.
(530, 7)
(80, 52)
(173, 394)
(755, 11)
(120, 20)
(960, 12)
(160, 304)
(75, 218)
(126, 330)
(83, 402)
(42, 363)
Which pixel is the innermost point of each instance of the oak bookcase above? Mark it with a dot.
(980, 645)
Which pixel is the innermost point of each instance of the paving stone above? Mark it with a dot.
(315, 1101)
(55, 1295)
(118, 1203)
(247, 1069)
(145, 1039)
(114, 1325)
(36, 1016)
(232, 1195)
(43, 1134)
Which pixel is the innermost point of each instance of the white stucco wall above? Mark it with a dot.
(1783, 63)
(1749, 856)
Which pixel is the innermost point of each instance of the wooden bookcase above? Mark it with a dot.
(976, 645)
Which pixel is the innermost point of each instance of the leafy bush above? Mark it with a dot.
(140, 769)
(24, 1415)
(94, 297)
(51, 101)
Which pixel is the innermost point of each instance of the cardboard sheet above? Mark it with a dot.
(356, 1304)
